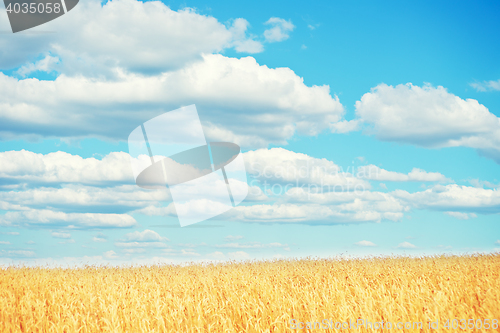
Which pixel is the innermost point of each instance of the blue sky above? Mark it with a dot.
(410, 91)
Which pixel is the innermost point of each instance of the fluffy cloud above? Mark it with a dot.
(95, 39)
(454, 198)
(238, 101)
(301, 206)
(61, 167)
(406, 245)
(99, 239)
(77, 198)
(345, 126)
(278, 165)
(47, 64)
(233, 238)
(110, 254)
(64, 235)
(461, 216)
(137, 242)
(279, 30)
(357, 201)
(308, 214)
(242, 43)
(430, 117)
(145, 236)
(54, 203)
(44, 217)
(63, 205)
(483, 183)
(373, 172)
(486, 85)
(365, 243)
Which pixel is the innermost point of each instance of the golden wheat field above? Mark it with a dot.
(269, 296)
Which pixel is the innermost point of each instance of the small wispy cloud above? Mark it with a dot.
(406, 245)
(486, 85)
(145, 236)
(365, 243)
(231, 238)
(46, 64)
(17, 253)
(461, 216)
(279, 30)
(64, 235)
(110, 254)
(313, 26)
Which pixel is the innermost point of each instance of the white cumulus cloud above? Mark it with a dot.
(96, 39)
(62, 167)
(453, 198)
(278, 165)
(238, 101)
(374, 172)
(430, 117)
(110, 254)
(145, 236)
(45, 217)
(279, 31)
(46, 64)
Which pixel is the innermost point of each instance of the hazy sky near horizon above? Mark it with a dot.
(366, 128)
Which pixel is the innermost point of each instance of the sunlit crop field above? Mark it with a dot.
(252, 296)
